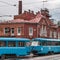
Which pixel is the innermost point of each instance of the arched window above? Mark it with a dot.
(55, 34)
(50, 33)
(43, 31)
(30, 30)
(19, 31)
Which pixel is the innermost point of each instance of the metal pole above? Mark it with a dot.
(44, 2)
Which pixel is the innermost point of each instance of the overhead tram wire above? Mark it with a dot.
(16, 4)
(31, 3)
(27, 4)
(4, 5)
(7, 3)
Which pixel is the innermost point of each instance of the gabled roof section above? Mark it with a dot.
(48, 21)
(17, 21)
(36, 20)
(38, 14)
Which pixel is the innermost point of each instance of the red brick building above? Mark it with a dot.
(30, 25)
(27, 15)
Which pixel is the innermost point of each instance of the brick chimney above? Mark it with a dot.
(20, 7)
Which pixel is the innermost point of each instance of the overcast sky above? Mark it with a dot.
(7, 8)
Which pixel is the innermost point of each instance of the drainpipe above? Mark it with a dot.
(37, 30)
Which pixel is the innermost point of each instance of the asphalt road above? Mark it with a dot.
(50, 57)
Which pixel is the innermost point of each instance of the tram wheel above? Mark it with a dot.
(51, 53)
(10, 56)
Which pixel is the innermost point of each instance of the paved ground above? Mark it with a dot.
(51, 57)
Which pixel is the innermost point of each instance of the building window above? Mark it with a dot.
(51, 34)
(6, 30)
(30, 31)
(12, 31)
(58, 34)
(54, 34)
(18, 31)
(43, 31)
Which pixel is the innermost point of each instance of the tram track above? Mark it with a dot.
(36, 56)
(50, 57)
(28, 57)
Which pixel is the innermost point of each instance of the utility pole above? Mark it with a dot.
(43, 3)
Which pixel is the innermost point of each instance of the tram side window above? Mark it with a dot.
(2, 43)
(11, 44)
(49, 43)
(53, 43)
(57, 43)
(21, 44)
(39, 43)
(44, 43)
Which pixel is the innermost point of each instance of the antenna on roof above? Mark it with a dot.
(43, 3)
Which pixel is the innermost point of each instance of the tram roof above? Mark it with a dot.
(45, 39)
(14, 39)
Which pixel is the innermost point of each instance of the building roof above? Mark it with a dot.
(35, 20)
(26, 15)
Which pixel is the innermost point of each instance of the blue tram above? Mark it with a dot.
(45, 46)
(17, 46)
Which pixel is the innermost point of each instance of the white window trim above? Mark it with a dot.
(55, 33)
(4, 31)
(51, 34)
(12, 34)
(17, 32)
(30, 34)
(43, 31)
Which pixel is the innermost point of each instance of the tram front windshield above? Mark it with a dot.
(35, 43)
